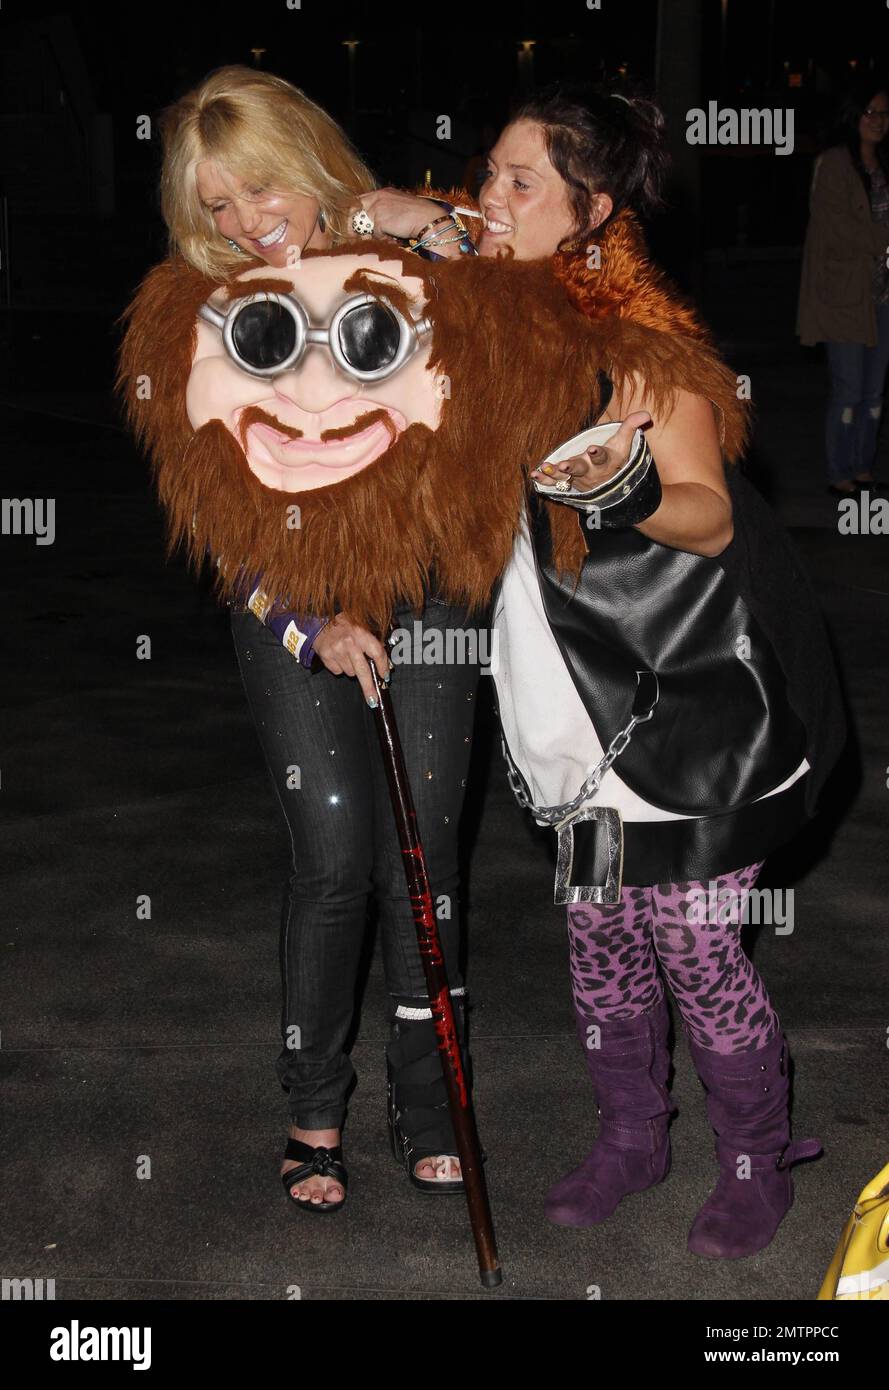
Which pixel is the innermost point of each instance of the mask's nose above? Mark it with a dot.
(315, 383)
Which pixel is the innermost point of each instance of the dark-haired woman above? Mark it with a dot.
(666, 688)
(844, 290)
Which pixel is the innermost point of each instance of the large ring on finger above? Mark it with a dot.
(565, 484)
(362, 225)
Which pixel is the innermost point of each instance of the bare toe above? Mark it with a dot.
(439, 1168)
(309, 1191)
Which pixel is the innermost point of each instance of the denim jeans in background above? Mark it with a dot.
(344, 841)
(855, 402)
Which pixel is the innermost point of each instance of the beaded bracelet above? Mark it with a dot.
(421, 235)
(435, 238)
(442, 240)
(467, 246)
(454, 222)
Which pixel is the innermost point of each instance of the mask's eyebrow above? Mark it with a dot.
(241, 289)
(383, 288)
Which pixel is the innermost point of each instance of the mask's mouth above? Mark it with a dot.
(283, 457)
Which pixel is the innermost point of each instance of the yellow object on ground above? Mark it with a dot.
(860, 1267)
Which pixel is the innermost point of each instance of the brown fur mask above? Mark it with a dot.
(520, 365)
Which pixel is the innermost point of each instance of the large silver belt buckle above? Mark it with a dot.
(611, 853)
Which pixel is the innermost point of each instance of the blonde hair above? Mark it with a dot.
(262, 128)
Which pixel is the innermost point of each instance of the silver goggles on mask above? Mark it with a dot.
(268, 333)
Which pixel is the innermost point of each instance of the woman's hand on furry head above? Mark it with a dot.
(395, 213)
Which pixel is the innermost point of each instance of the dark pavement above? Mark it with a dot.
(125, 1039)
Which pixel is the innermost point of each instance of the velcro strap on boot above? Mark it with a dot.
(419, 1090)
(640, 1136)
(730, 1155)
(800, 1149)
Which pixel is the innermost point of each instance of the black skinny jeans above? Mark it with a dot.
(321, 748)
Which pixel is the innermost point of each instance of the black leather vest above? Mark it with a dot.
(723, 731)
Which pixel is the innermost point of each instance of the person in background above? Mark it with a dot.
(844, 289)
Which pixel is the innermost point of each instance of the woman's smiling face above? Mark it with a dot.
(276, 226)
(524, 200)
(874, 126)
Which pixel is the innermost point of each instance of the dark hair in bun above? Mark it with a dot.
(601, 142)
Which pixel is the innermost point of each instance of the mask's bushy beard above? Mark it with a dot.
(359, 545)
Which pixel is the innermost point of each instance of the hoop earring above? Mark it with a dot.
(322, 221)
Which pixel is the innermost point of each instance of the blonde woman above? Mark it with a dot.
(253, 168)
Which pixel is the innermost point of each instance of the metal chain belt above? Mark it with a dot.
(643, 709)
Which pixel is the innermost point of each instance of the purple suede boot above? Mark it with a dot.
(632, 1152)
(748, 1105)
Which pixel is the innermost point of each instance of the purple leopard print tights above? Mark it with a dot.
(693, 931)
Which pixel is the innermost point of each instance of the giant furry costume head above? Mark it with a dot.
(506, 373)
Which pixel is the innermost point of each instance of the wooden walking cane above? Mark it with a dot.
(459, 1102)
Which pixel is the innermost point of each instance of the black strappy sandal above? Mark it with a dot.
(321, 1163)
(417, 1110)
